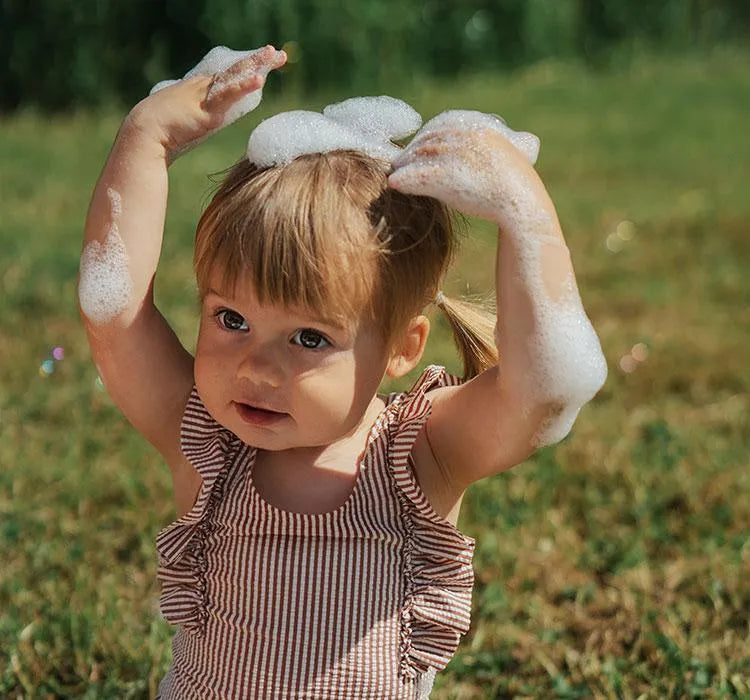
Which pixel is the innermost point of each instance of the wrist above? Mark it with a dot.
(140, 130)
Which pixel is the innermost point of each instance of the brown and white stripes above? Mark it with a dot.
(365, 601)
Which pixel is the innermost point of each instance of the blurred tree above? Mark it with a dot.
(62, 53)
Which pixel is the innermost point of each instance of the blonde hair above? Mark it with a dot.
(326, 233)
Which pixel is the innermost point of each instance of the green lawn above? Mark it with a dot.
(615, 564)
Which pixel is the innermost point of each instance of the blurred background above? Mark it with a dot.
(614, 564)
(60, 54)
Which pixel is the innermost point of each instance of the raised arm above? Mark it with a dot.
(550, 358)
(144, 367)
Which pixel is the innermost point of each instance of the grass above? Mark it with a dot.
(612, 565)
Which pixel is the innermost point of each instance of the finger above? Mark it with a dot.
(261, 61)
(242, 77)
(420, 178)
(456, 184)
(434, 146)
(430, 137)
(221, 94)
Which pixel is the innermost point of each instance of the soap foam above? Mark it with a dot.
(115, 203)
(568, 365)
(288, 135)
(386, 118)
(216, 60)
(104, 288)
(457, 167)
(464, 119)
(215, 63)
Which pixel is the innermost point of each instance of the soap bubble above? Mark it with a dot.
(614, 243)
(58, 353)
(625, 230)
(628, 364)
(639, 352)
(47, 368)
(478, 25)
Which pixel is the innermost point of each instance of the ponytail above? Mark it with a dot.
(473, 332)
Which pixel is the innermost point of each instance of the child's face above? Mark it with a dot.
(281, 378)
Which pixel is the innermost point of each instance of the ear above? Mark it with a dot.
(408, 350)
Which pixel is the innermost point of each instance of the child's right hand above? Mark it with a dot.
(184, 113)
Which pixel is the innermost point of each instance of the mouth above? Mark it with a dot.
(253, 415)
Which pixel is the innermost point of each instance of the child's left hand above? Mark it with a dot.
(473, 163)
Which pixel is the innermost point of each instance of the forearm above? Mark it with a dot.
(550, 356)
(124, 228)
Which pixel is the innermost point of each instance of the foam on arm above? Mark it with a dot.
(551, 361)
(145, 369)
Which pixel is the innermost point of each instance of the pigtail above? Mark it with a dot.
(473, 329)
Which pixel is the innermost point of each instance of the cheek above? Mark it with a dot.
(209, 363)
(332, 388)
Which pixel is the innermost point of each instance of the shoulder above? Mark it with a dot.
(412, 454)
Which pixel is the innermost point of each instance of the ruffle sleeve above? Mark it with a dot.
(439, 576)
(210, 448)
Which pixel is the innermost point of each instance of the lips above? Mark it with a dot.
(253, 415)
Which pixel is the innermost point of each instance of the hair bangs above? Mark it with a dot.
(297, 235)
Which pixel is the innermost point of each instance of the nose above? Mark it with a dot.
(260, 364)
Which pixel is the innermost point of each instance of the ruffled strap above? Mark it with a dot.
(210, 448)
(439, 576)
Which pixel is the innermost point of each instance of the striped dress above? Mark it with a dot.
(365, 601)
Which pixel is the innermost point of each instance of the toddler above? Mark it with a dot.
(316, 552)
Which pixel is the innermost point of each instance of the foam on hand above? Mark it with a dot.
(364, 124)
(453, 158)
(524, 141)
(104, 287)
(218, 60)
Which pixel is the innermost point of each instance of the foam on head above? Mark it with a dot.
(364, 124)
(384, 117)
(104, 287)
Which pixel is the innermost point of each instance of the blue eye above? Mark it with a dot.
(231, 320)
(310, 339)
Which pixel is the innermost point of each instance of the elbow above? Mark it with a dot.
(559, 413)
(556, 422)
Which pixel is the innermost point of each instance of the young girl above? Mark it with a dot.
(316, 554)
